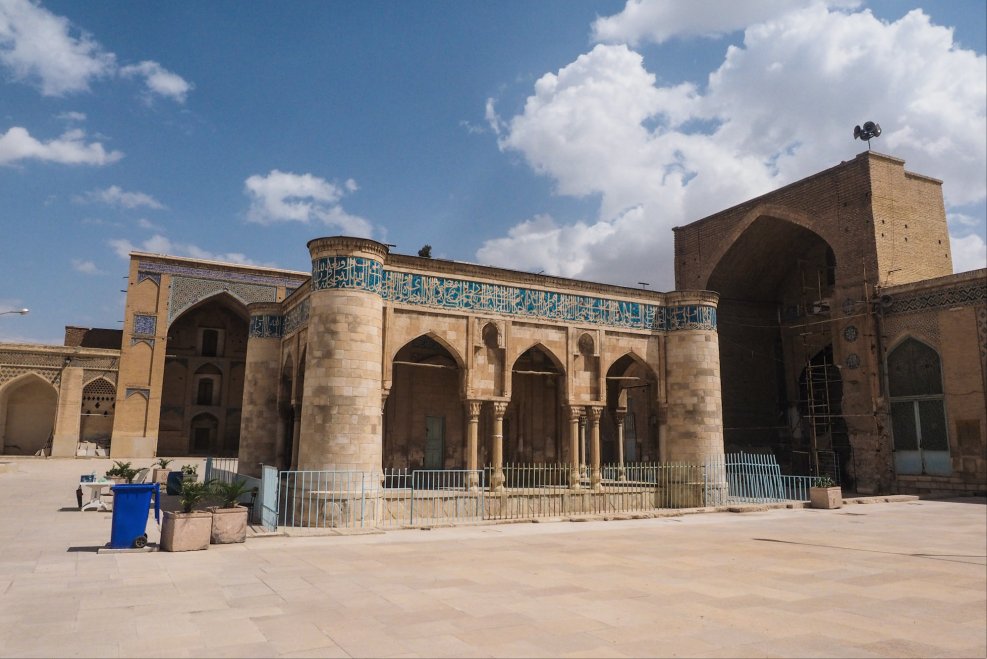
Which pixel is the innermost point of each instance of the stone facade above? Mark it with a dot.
(54, 397)
(805, 276)
(396, 361)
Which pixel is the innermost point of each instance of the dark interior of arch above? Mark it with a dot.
(776, 285)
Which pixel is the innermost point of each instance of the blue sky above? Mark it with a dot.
(558, 136)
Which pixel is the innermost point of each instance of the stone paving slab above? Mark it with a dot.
(906, 578)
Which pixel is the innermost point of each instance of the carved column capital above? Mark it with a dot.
(474, 407)
(500, 408)
(594, 413)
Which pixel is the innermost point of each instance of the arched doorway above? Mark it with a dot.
(203, 378)
(632, 394)
(534, 423)
(27, 414)
(776, 284)
(423, 414)
(918, 414)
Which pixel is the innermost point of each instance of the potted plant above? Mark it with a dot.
(121, 472)
(189, 529)
(160, 473)
(229, 518)
(825, 493)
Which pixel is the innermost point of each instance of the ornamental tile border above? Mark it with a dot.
(266, 326)
(153, 276)
(365, 274)
(943, 298)
(152, 267)
(188, 291)
(297, 317)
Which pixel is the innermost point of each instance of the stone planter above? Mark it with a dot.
(186, 531)
(160, 476)
(229, 525)
(826, 497)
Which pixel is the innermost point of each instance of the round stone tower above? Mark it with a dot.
(341, 417)
(695, 407)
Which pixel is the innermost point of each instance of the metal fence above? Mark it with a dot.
(401, 497)
(223, 470)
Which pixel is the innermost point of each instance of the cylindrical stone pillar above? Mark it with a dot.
(695, 409)
(593, 414)
(472, 441)
(341, 420)
(621, 470)
(574, 475)
(497, 475)
(259, 419)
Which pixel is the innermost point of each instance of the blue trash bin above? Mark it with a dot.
(130, 505)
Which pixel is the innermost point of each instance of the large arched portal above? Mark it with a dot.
(203, 379)
(27, 415)
(534, 425)
(423, 415)
(776, 284)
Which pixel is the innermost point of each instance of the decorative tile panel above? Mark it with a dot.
(144, 324)
(221, 275)
(296, 317)
(153, 276)
(140, 339)
(354, 272)
(942, 298)
(266, 326)
(187, 291)
(482, 297)
(138, 391)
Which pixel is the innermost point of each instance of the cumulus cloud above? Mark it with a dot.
(661, 20)
(85, 267)
(287, 197)
(71, 117)
(115, 196)
(158, 244)
(45, 50)
(70, 148)
(159, 80)
(776, 110)
(969, 252)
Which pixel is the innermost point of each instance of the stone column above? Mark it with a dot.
(575, 413)
(259, 420)
(497, 477)
(593, 413)
(473, 408)
(340, 417)
(620, 415)
(68, 415)
(582, 443)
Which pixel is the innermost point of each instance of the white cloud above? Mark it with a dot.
(661, 20)
(40, 47)
(145, 223)
(775, 111)
(159, 80)
(68, 149)
(45, 50)
(969, 252)
(85, 267)
(71, 117)
(287, 197)
(158, 244)
(115, 196)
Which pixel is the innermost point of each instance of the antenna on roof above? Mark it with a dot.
(868, 131)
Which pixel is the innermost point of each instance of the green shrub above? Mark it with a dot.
(229, 494)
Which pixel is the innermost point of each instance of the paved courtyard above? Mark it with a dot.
(890, 579)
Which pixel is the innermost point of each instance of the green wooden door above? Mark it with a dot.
(435, 427)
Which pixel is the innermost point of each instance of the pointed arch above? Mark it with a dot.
(28, 404)
(539, 347)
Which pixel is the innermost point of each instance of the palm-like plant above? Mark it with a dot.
(193, 492)
(229, 493)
